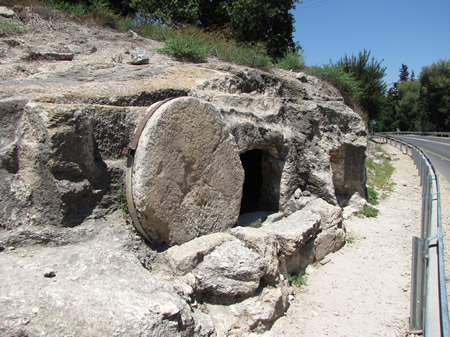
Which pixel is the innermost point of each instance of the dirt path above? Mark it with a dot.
(364, 289)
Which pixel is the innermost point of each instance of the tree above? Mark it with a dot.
(407, 106)
(254, 21)
(369, 73)
(435, 95)
(404, 73)
(270, 22)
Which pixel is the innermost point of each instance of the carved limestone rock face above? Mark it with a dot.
(187, 175)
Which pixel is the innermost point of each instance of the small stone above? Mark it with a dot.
(6, 12)
(49, 273)
(139, 56)
(90, 49)
(291, 298)
(306, 193)
(58, 56)
(132, 34)
(325, 261)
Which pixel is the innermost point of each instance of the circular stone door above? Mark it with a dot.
(187, 176)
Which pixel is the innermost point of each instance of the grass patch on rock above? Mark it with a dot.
(187, 47)
(8, 28)
(297, 279)
(369, 211)
(379, 173)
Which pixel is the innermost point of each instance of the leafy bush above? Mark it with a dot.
(369, 74)
(99, 10)
(187, 47)
(292, 60)
(155, 31)
(297, 279)
(347, 85)
(77, 8)
(379, 174)
(369, 211)
(8, 28)
(372, 196)
(121, 196)
(253, 56)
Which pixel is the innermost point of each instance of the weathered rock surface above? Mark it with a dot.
(231, 270)
(245, 141)
(187, 176)
(99, 288)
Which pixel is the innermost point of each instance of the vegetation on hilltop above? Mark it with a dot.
(418, 104)
(258, 33)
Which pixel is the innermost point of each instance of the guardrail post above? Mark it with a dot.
(432, 314)
(417, 285)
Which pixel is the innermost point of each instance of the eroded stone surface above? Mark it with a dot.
(231, 270)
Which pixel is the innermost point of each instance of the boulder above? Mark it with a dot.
(252, 316)
(187, 176)
(184, 258)
(330, 215)
(328, 241)
(295, 230)
(264, 243)
(355, 205)
(229, 271)
(295, 235)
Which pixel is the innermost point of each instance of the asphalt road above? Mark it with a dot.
(437, 148)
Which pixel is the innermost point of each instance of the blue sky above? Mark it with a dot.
(416, 33)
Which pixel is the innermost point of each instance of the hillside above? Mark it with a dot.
(222, 244)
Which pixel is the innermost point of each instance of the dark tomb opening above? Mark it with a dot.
(261, 189)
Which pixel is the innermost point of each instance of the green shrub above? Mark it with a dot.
(102, 13)
(369, 211)
(372, 196)
(349, 239)
(187, 47)
(297, 279)
(121, 196)
(347, 85)
(230, 51)
(77, 8)
(8, 28)
(155, 31)
(379, 175)
(292, 60)
(99, 10)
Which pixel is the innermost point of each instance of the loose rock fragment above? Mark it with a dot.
(139, 56)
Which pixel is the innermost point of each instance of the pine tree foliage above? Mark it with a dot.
(369, 73)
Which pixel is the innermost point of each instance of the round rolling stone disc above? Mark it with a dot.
(187, 176)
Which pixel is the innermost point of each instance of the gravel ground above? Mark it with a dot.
(364, 289)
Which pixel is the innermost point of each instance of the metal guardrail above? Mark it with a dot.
(429, 304)
(418, 133)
